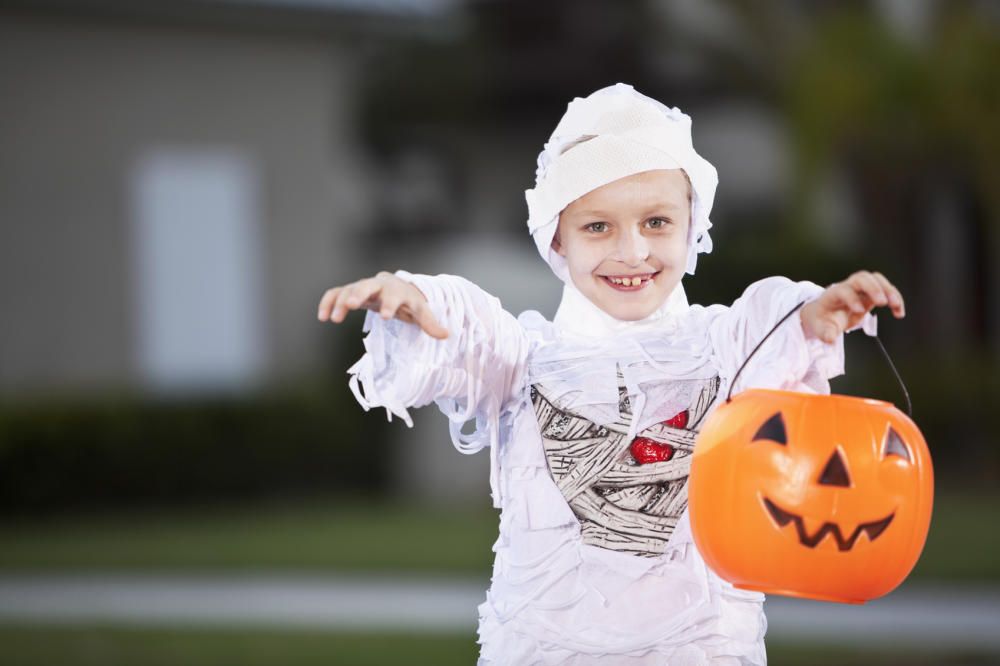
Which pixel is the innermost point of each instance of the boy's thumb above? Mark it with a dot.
(440, 332)
(431, 325)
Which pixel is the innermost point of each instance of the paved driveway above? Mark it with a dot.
(939, 616)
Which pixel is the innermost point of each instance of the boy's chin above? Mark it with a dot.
(630, 314)
(628, 311)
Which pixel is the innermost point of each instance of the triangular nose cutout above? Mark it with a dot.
(835, 472)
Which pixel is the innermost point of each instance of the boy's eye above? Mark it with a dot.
(597, 227)
(658, 222)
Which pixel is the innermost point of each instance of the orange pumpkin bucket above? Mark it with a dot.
(823, 497)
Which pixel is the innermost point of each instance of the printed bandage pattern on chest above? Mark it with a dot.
(611, 134)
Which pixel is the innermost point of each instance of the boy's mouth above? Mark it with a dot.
(629, 282)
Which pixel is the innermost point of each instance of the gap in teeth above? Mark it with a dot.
(628, 282)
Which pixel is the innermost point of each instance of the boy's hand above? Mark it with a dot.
(843, 304)
(386, 294)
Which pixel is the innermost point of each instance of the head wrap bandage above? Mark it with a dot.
(613, 133)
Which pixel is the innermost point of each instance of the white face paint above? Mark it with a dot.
(625, 243)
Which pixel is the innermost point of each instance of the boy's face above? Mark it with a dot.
(626, 243)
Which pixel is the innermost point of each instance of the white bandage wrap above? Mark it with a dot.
(613, 133)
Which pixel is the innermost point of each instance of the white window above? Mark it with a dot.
(198, 271)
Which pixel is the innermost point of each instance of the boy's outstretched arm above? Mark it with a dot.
(386, 294)
(473, 366)
(842, 305)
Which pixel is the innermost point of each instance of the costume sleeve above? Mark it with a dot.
(788, 360)
(476, 373)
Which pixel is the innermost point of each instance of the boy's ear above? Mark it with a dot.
(557, 244)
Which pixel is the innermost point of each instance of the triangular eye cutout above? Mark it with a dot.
(773, 430)
(835, 472)
(894, 446)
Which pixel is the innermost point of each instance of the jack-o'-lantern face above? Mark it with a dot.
(817, 496)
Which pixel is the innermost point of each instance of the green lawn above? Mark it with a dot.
(353, 536)
(328, 535)
(963, 539)
(109, 646)
(380, 536)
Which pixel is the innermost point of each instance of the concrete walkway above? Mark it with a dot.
(967, 617)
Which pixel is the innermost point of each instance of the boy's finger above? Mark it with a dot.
(327, 301)
(365, 291)
(870, 289)
(895, 297)
(833, 324)
(340, 307)
(900, 308)
(390, 304)
(429, 324)
(846, 295)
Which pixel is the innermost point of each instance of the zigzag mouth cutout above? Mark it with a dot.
(873, 529)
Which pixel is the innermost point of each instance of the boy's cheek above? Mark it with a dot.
(582, 261)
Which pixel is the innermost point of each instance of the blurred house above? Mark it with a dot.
(180, 181)
(176, 183)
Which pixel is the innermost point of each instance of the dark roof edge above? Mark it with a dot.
(304, 19)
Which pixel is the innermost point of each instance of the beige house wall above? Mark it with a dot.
(80, 104)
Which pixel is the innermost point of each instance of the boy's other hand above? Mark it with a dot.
(842, 305)
(386, 294)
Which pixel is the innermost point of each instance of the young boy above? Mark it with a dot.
(591, 419)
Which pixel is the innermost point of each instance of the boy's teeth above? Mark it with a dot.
(627, 282)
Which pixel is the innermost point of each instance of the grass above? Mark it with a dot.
(107, 646)
(962, 542)
(356, 536)
(302, 536)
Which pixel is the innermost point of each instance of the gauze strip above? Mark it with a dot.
(614, 133)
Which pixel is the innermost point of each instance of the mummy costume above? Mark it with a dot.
(591, 421)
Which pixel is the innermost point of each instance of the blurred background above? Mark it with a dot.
(181, 181)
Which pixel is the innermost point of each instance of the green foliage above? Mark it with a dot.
(858, 90)
(109, 452)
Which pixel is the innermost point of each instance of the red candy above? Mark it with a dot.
(646, 450)
(679, 420)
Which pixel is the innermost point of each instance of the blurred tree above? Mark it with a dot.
(908, 116)
(912, 118)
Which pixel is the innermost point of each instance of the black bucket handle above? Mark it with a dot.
(906, 394)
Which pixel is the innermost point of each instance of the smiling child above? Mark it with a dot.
(591, 419)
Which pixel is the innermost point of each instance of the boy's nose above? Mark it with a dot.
(633, 248)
